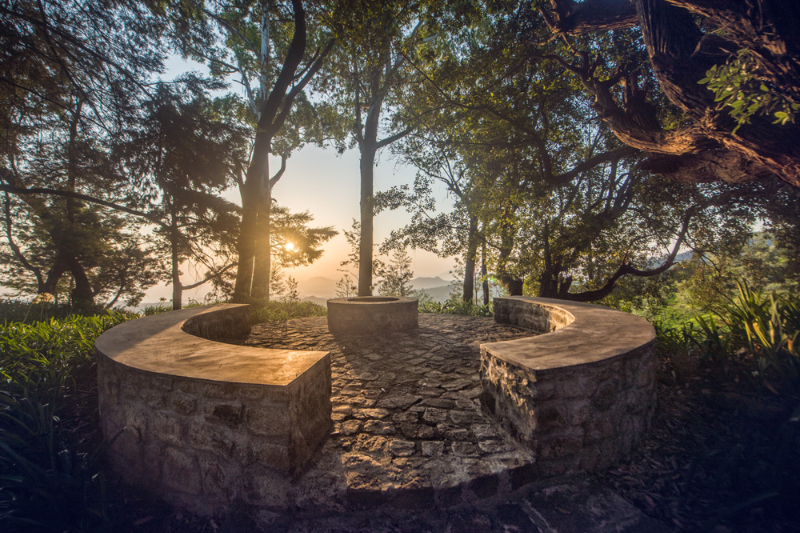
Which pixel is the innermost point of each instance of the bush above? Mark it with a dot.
(766, 327)
(29, 312)
(272, 311)
(454, 306)
(46, 483)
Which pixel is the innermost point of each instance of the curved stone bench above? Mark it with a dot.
(581, 396)
(202, 423)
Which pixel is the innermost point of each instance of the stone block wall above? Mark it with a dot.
(204, 444)
(582, 415)
(541, 318)
(370, 315)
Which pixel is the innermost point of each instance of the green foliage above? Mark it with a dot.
(46, 482)
(396, 275)
(273, 311)
(51, 351)
(737, 85)
(767, 327)
(453, 306)
(715, 344)
(156, 309)
(674, 340)
(14, 310)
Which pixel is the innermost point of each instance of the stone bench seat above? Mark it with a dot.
(205, 424)
(580, 396)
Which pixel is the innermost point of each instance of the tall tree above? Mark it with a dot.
(556, 197)
(274, 53)
(73, 72)
(188, 149)
(373, 71)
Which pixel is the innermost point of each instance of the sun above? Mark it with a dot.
(289, 246)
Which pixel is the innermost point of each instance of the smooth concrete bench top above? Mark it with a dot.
(159, 344)
(594, 334)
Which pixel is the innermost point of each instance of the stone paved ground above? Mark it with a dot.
(411, 450)
(407, 422)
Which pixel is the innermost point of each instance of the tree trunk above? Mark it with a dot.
(484, 275)
(82, 294)
(248, 231)
(49, 284)
(263, 256)
(177, 288)
(367, 215)
(469, 263)
(512, 283)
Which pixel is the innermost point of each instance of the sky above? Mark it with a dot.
(327, 185)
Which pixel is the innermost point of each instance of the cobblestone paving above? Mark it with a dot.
(408, 427)
(411, 450)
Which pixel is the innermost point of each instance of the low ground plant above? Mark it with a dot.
(47, 481)
(274, 311)
(15, 310)
(750, 326)
(454, 306)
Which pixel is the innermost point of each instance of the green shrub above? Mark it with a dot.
(156, 309)
(767, 327)
(454, 306)
(29, 312)
(675, 340)
(278, 311)
(46, 483)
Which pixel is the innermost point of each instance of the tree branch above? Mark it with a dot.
(571, 18)
(392, 138)
(68, 194)
(14, 248)
(208, 278)
(626, 269)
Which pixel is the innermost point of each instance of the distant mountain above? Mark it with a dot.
(428, 283)
(319, 301)
(438, 294)
(318, 286)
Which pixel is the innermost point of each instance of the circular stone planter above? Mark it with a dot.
(372, 314)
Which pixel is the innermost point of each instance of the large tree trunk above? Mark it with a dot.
(367, 215)
(484, 275)
(177, 288)
(263, 258)
(274, 111)
(469, 261)
(49, 285)
(680, 54)
(512, 283)
(82, 294)
(248, 231)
